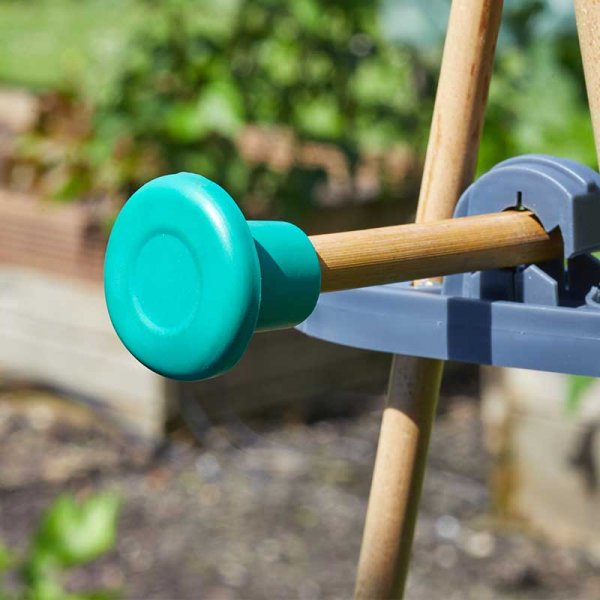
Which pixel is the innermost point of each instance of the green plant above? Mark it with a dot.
(358, 77)
(69, 534)
(187, 90)
(577, 386)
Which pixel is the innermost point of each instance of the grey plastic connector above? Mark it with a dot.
(544, 316)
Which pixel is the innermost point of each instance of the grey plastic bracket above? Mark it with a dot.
(544, 316)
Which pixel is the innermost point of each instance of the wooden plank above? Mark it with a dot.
(57, 332)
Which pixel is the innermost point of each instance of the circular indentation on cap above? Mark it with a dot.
(166, 282)
(182, 277)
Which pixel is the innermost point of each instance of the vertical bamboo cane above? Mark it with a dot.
(588, 29)
(414, 382)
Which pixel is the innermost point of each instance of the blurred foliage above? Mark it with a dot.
(319, 67)
(537, 99)
(69, 534)
(577, 386)
(356, 76)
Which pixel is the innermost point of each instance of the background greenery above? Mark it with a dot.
(172, 83)
(70, 533)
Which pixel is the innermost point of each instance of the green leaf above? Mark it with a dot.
(94, 595)
(7, 558)
(578, 384)
(281, 60)
(184, 122)
(220, 108)
(45, 588)
(319, 117)
(72, 533)
(544, 105)
(308, 13)
(40, 564)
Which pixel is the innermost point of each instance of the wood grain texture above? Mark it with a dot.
(587, 13)
(65, 239)
(397, 479)
(459, 106)
(414, 382)
(405, 252)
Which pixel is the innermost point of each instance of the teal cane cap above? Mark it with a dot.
(187, 280)
(290, 274)
(182, 277)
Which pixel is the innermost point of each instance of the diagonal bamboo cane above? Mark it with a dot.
(587, 13)
(414, 383)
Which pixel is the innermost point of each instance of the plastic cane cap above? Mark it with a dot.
(182, 278)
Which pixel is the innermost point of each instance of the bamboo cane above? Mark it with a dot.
(405, 252)
(414, 383)
(587, 13)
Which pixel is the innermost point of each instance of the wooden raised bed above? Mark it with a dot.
(54, 329)
(545, 469)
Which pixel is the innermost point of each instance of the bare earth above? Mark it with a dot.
(272, 510)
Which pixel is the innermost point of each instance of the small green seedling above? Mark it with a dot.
(69, 534)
